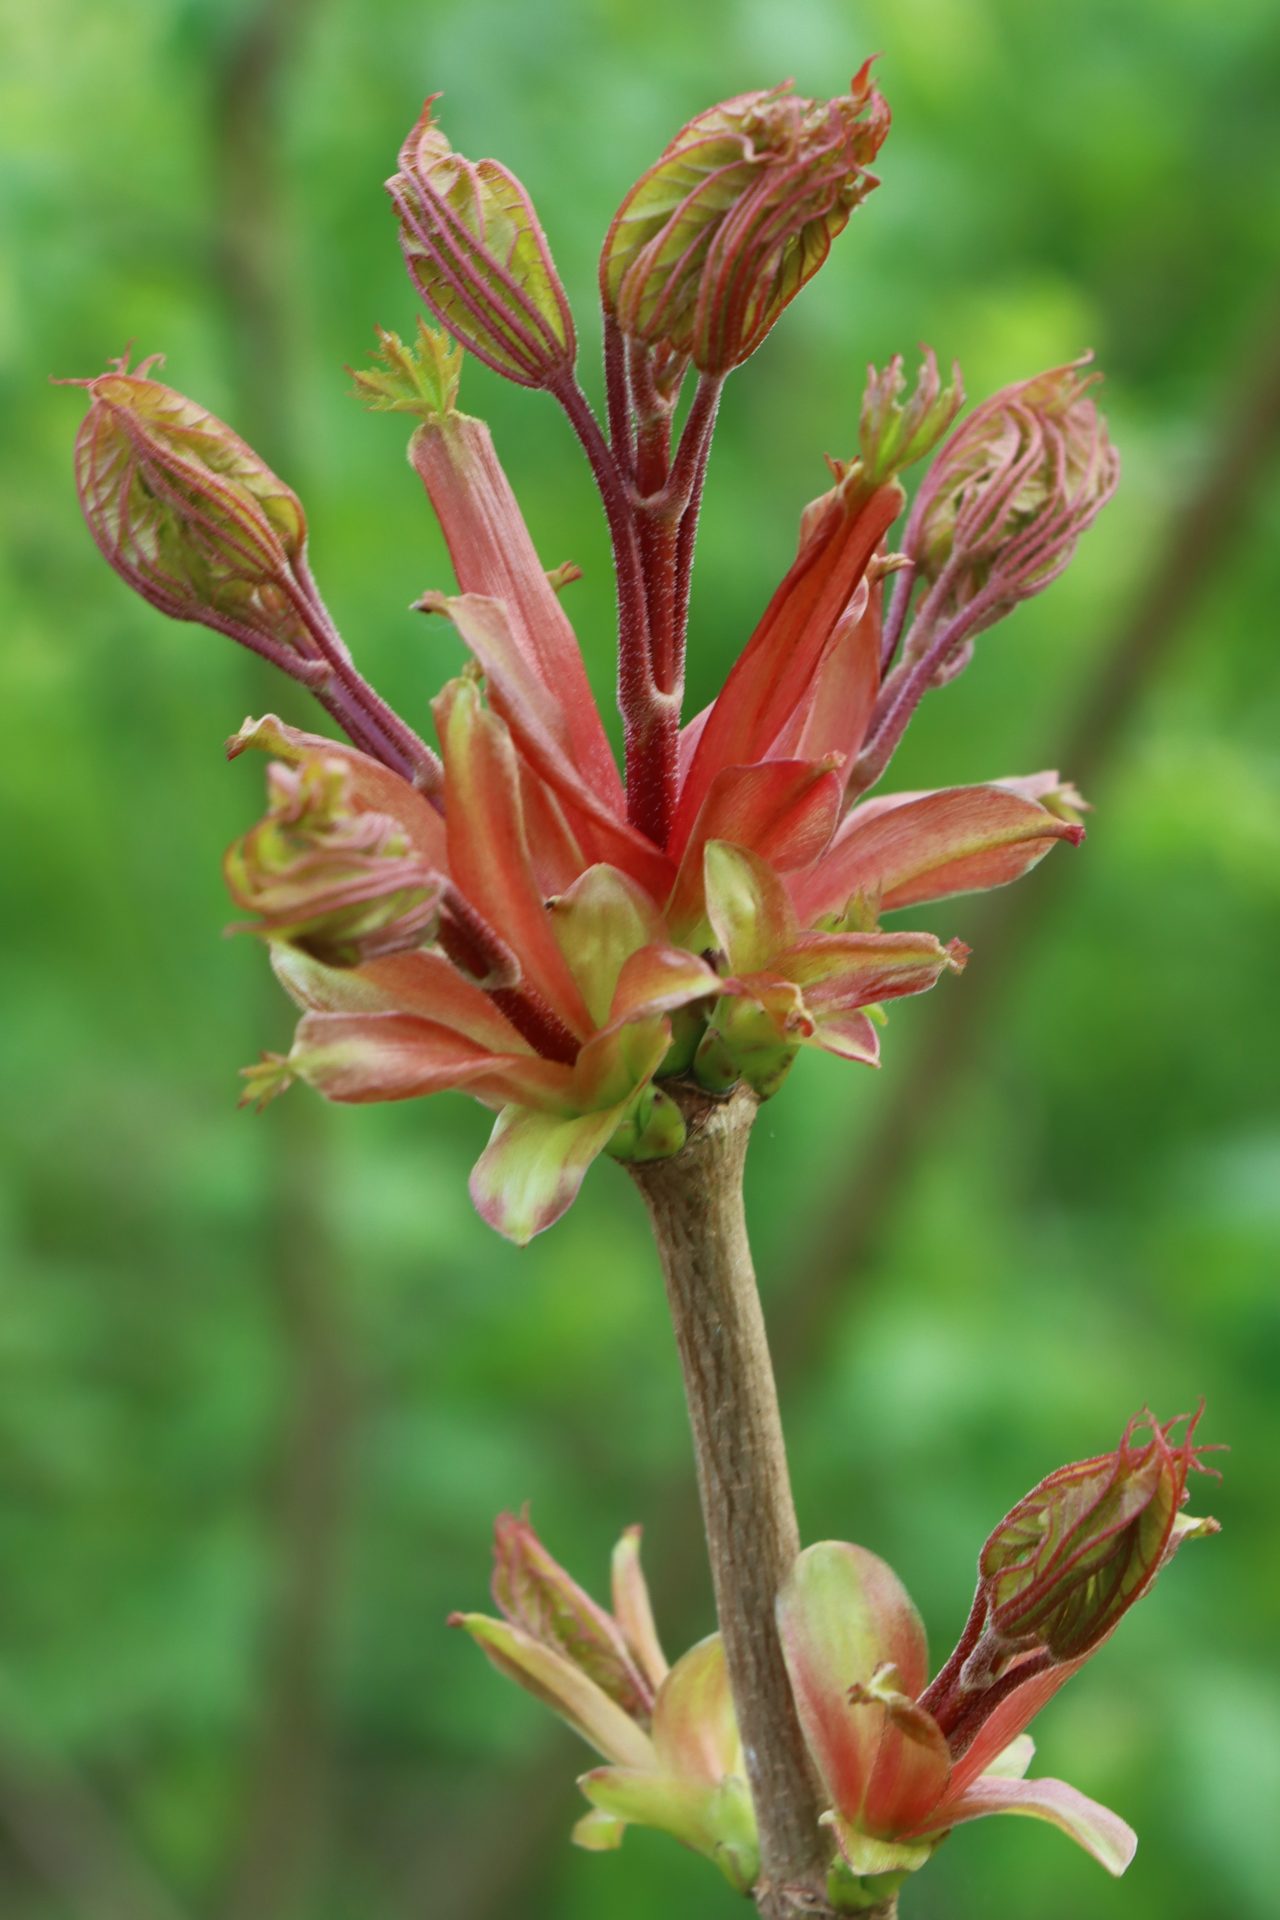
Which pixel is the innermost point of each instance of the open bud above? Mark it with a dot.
(478, 257)
(894, 435)
(343, 885)
(738, 213)
(668, 1733)
(1070, 1559)
(420, 377)
(696, 1788)
(189, 515)
(1001, 508)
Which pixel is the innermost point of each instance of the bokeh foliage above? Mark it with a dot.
(266, 1380)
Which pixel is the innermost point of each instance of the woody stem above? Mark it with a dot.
(695, 1203)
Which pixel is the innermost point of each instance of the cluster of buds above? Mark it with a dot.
(995, 520)
(902, 1761)
(594, 954)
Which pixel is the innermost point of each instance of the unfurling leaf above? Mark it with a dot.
(894, 435)
(421, 378)
(1083, 1546)
(1002, 507)
(342, 884)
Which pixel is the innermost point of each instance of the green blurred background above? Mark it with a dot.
(266, 1380)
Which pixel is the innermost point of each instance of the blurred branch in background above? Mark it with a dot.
(251, 240)
(72, 1844)
(1199, 542)
(286, 1784)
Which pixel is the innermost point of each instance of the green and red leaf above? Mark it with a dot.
(1103, 1834)
(930, 846)
(778, 675)
(535, 1593)
(695, 1732)
(541, 715)
(716, 1821)
(600, 922)
(361, 1057)
(783, 810)
(534, 1164)
(562, 1686)
(844, 1618)
(633, 1610)
(748, 906)
(494, 556)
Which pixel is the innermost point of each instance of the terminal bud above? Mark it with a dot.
(735, 216)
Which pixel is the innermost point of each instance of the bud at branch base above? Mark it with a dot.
(668, 1733)
(902, 1762)
(343, 885)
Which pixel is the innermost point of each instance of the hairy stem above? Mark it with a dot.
(689, 525)
(360, 711)
(674, 495)
(618, 395)
(650, 718)
(695, 1203)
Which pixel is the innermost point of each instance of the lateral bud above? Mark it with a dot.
(1062, 1569)
(343, 885)
(192, 519)
(1000, 510)
(1083, 1546)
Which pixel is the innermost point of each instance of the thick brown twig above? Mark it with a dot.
(696, 1207)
